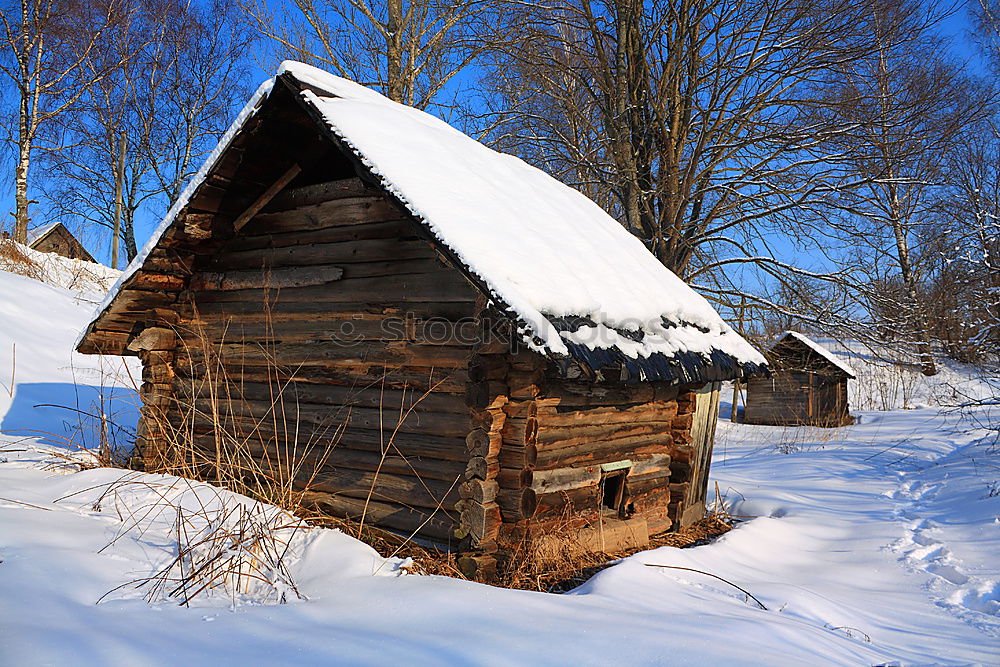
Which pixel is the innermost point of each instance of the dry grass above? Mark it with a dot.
(234, 550)
(14, 260)
(262, 455)
(525, 568)
(222, 546)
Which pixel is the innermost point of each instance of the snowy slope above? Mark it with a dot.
(891, 558)
(45, 387)
(88, 278)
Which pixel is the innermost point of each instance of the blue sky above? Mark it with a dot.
(956, 27)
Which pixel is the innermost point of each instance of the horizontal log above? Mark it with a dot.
(479, 467)
(393, 402)
(480, 520)
(517, 457)
(402, 444)
(306, 459)
(608, 452)
(388, 488)
(266, 278)
(394, 229)
(482, 491)
(301, 355)
(654, 464)
(652, 412)
(410, 378)
(516, 432)
(104, 342)
(477, 442)
(362, 250)
(514, 478)
(330, 309)
(417, 421)
(561, 503)
(340, 211)
(641, 486)
(490, 420)
(564, 479)
(399, 289)
(154, 339)
(346, 329)
(425, 523)
(153, 280)
(683, 422)
(583, 394)
(320, 192)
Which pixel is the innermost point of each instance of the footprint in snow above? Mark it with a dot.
(985, 598)
(970, 597)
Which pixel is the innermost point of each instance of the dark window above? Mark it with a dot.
(614, 493)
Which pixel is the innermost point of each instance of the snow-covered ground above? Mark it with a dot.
(875, 543)
(47, 389)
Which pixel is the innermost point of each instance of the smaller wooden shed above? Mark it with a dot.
(56, 238)
(807, 386)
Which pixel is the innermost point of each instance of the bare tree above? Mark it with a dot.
(967, 235)
(171, 99)
(45, 47)
(413, 50)
(690, 121)
(908, 105)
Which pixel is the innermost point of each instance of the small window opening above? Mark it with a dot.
(614, 493)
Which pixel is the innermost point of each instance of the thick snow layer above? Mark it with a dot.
(818, 349)
(870, 544)
(543, 248)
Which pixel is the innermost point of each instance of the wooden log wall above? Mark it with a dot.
(792, 397)
(544, 461)
(156, 348)
(329, 332)
(782, 398)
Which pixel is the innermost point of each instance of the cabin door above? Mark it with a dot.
(706, 416)
(827, 409)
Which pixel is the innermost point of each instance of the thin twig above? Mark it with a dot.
(709, 574)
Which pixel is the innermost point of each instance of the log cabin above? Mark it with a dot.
(492, 359)
(56, 238)
(807, 385)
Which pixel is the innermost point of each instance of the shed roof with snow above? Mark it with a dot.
(818, 356)
(576, 283)
(55, 237)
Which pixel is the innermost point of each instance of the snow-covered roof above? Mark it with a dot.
(826, 354)
(575, 280)
(40, 232)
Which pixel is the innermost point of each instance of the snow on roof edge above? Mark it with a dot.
(534, 324)
(818, 349)
(40, 232)
(244, 115)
